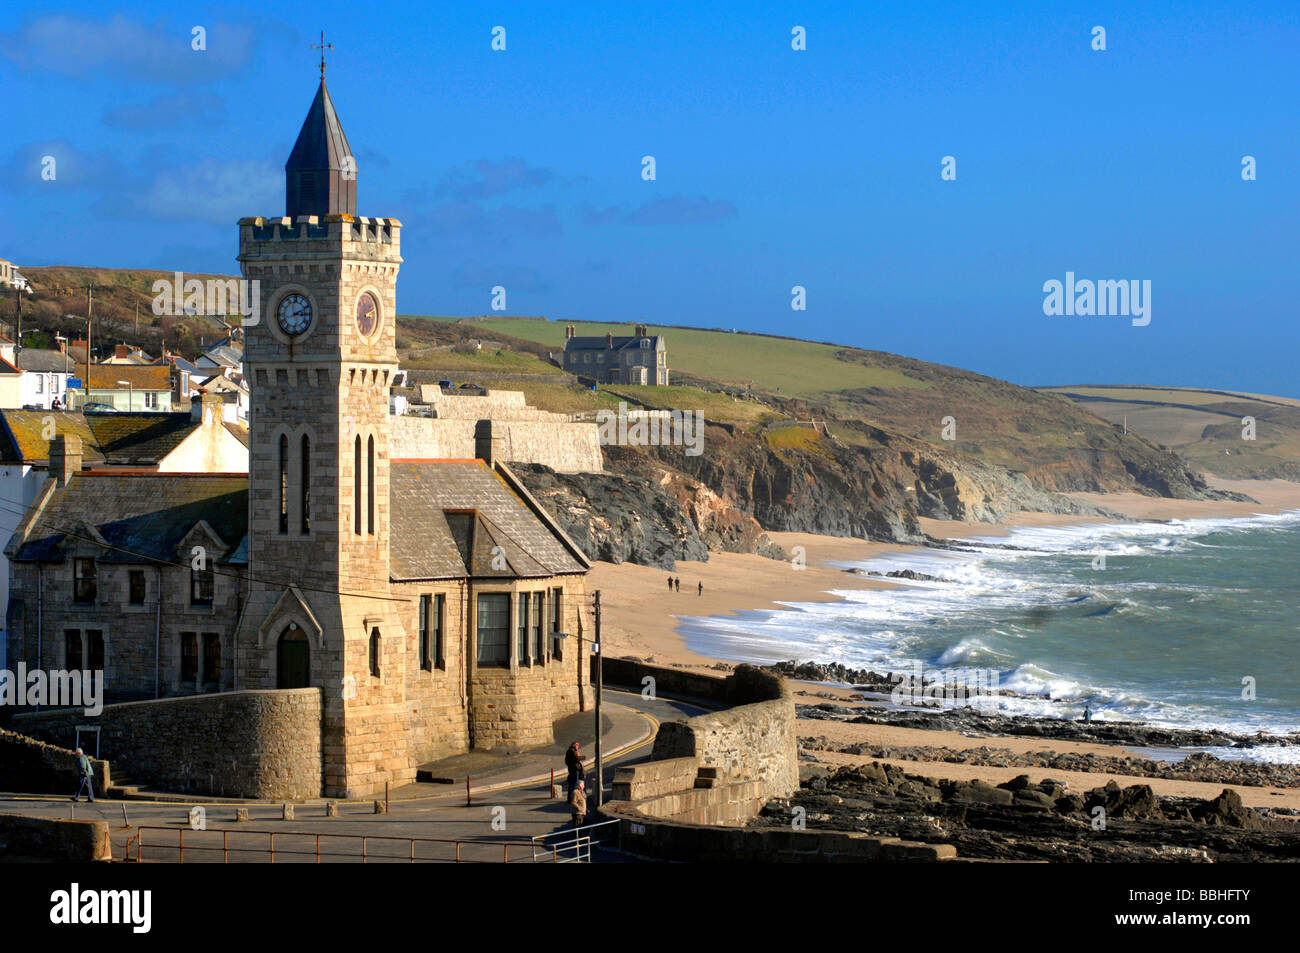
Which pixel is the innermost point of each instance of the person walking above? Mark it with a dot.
(701, 588)
(578, 804)
(86, 773)
(573, 764)
(670, 583)
(678, 583)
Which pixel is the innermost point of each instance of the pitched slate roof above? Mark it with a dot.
(39, 359)
(139, 440)
(601, 344)
(143, 517)
(450, 516)
(134, 439)
(22, 435)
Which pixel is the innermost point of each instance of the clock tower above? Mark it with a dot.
(320, 362)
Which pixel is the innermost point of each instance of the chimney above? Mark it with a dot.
(570, 331)
(208, 410)
(63, 345)
(65, 457)
(609, 339)
(642, 331)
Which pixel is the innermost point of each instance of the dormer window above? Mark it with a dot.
(84, 587)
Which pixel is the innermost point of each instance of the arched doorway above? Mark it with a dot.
(293, 659)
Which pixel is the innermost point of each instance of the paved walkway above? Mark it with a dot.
(511, 804)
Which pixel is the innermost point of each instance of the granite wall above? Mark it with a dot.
(255, 744)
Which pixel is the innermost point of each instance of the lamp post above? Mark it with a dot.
(130, 394)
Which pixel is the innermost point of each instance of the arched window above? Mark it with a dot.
(374, 652)
(293, 659)
(370, 486)
(306, 484)
(284, 484)
(356, 486)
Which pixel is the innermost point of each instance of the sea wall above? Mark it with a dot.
(254, 744)
(49, 839)
(33, 766)
(755, 740)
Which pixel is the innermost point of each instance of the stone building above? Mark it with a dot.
(432, 601)
(641, 358)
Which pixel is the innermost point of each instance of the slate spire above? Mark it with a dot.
(321, 174)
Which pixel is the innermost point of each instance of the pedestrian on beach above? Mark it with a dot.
(670, 583)
(701, 588)
(1087, 713)
(573, 763)
(679, 583)
(86, 774)
(578, 804)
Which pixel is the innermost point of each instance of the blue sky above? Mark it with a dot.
(775, 168)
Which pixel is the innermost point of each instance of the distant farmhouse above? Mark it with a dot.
(641, 358)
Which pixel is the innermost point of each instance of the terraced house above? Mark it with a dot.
(432, 602)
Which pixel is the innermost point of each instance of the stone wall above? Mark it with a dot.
(753, 741)
(39, 838)
(256, 744)
(495, 404)
(654, 778)
(33, 766)
(561, 445)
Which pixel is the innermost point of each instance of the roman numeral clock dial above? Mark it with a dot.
(294, 314)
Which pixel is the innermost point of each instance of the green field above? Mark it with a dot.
(791, 368)
(1205, 427)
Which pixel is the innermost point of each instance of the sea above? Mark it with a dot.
(1185, 624)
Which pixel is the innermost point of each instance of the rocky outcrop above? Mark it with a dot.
(1023, 819)
(616, 518)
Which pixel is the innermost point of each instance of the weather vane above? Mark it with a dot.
(323, 47)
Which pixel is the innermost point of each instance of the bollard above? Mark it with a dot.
(241, 814)
(381, 807)
(331, 808)
(469, 801)
(288, 813)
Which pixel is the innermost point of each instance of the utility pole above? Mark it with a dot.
(600, 684)
(90, 310)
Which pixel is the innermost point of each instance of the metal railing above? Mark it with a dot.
(373, 848)
(574, 844)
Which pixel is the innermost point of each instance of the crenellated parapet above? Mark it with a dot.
(356, 236)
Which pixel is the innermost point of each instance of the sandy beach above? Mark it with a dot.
(641, 617)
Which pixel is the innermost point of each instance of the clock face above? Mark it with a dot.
(367, 314)
(294, 314)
